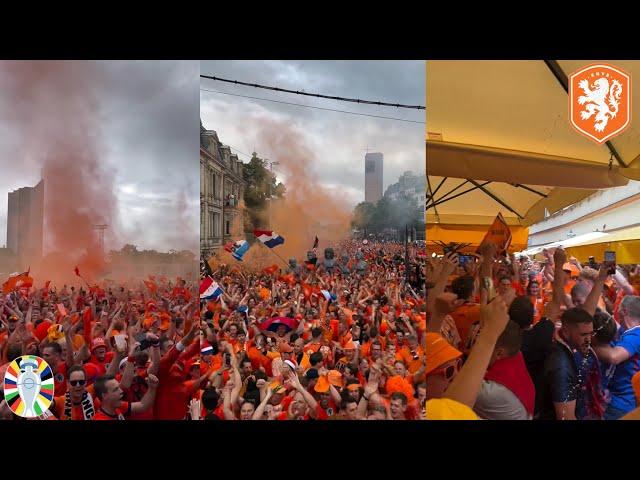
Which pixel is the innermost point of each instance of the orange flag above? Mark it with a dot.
(15, 282)
(270, 270)
(498, 234)
(151, 285)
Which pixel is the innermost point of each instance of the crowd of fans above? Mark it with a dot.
(118, 352)
(515, 338)
(319, 340)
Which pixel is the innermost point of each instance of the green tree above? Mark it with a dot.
(260, 183)
(388, 214)
(362, 215)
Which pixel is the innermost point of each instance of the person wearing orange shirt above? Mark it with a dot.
(412, 355)
(77, 402)
(110, 394)
(467, 314)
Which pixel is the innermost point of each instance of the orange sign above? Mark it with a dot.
(498, 234)
(600, 101)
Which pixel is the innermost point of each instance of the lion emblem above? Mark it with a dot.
(600, 99)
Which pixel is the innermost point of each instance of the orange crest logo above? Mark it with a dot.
(600, 101)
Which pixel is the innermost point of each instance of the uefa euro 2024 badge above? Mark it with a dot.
(29, 386)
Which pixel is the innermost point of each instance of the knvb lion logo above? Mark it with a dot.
(28, 386)
(600, 101)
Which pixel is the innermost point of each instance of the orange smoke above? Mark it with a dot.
(56, 115)
(307, 209)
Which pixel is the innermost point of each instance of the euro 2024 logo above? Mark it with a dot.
(29, 386)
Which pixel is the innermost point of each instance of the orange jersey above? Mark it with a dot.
(464, 317)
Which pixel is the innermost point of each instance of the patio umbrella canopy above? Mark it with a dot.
(499, 140)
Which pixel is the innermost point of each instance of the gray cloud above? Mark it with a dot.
(148, 116)
(338, 140)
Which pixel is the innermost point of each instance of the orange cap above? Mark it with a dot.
(439, 352)
(322, 385)
(570, 267)
(335, 378)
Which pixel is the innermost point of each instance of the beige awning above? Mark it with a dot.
(506, 122)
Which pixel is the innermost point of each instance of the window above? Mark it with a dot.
(227, 227)
(203, 233)
(216, 223)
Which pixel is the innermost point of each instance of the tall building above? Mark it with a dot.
(25, 219)
(372, 177)
(221, 189)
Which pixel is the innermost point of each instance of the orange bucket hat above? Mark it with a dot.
(439, 352)
(322, 385)
(335, 378)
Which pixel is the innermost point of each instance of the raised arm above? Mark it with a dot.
(257, 415)
(466, 384)
(147, 401)
(591, 302)
(311, 402)
(559, 259)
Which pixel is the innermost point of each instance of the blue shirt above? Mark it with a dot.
(622, 395)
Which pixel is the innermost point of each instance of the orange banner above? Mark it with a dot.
(498, 234)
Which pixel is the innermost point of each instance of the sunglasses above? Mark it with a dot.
(75, 383)
(449, 372)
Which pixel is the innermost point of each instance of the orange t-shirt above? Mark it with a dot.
(122, 412)
(464, 317)
(76, 410)
(538, 308)
(413, 365)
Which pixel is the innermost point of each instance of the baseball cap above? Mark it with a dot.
(97, 342)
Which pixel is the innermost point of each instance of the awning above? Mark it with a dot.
(569, 242)
(498, 132)
(625, 242)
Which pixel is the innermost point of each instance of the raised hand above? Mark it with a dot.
(559, 256)
(494, 317)
(152, 381)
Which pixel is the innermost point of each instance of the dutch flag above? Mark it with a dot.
(269, 238)
(328, 296)
(209, 290)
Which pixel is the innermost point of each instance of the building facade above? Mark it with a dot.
(25, 222)
(373, 166)
(605, 212)
(409, 186)
(221, 191)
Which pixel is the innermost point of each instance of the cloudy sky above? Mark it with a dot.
(338, 140)
(148, 132)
